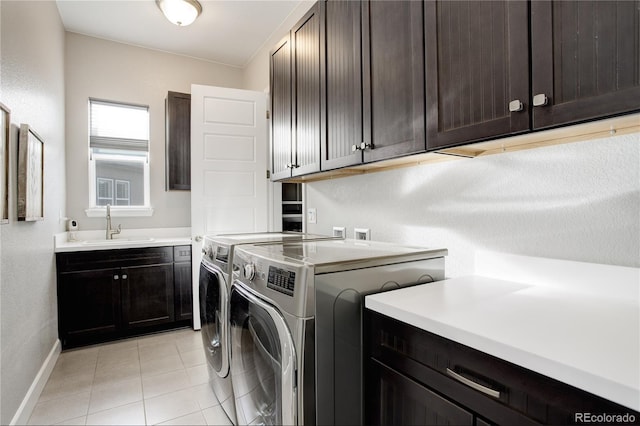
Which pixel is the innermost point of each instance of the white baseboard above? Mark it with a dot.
(31, 398)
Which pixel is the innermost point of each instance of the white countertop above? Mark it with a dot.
(588, 340)
(128, 238)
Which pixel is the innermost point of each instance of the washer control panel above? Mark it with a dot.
(281, 280)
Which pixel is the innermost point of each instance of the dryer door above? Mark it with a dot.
(213, 315)
(263, 361)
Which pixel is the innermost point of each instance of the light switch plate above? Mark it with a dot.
(311, 215)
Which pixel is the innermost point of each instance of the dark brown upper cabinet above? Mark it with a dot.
(393, 79)
(343, 69)
(296, 79)
(280, 74)
(585, 60)
(178, 141)
(477, 70)
(374, 81)
(307, 77)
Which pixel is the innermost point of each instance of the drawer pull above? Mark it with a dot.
(485, 390)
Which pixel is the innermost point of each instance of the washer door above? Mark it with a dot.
(213, 315)
(263, 362)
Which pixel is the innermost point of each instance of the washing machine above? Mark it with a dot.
(295, 324)
(214, 285)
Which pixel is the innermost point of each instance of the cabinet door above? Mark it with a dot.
(393, 79)
(308, 116)
(147, 295)
(343, 67)
(585, 57)
(477, 62)
(178, 141)
(88, 304)
(280, 72)
(393, 399)
(183, 293)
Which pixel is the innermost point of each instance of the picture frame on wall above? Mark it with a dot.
(30, 175)
(5, 123)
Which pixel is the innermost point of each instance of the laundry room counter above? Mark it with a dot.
(581, 336)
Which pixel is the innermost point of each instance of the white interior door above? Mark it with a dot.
(228, 167)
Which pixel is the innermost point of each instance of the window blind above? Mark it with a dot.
(118, 126)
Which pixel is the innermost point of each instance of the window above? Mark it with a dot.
(118, 157)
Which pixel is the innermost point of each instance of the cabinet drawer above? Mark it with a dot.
(104, 259)
(182, 254)
(495, 389)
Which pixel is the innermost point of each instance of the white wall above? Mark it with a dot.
(256, 73)
(579, 201)
(108, 70)
(32, 86)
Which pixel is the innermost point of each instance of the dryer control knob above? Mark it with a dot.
(249, 271)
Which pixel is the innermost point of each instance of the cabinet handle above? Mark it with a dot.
(540, 100)
(365, 145)
(354, 148)
(124, 276)
(485, 390)
(516, 105)
(116, 277)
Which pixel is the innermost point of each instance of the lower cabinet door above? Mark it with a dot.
(183, 292)
(394, 399)
(88, 304)
(147, 295)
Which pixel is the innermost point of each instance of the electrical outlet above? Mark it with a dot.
(311, 215)
(362, 234)
(339, 231)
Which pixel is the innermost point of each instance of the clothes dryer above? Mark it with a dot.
(214, 285)
(296, 324)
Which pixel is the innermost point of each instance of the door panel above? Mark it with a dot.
(343, 65)
(476, 64)
(393, 58)
(213, 315)
(147, 295)
(263, 364)
(228, 167)
(89, 302)
(306, 77)
(281, 123)
(394, 399)
(585, 59)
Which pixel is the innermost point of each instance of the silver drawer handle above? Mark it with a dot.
(485, 390)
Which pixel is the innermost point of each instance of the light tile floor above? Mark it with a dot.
(149, 380)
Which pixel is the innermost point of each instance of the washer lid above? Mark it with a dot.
(339, 255)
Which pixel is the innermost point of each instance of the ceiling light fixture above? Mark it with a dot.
(180, 12)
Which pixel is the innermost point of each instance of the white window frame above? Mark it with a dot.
(121, 211)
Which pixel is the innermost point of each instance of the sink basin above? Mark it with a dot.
(116, 241)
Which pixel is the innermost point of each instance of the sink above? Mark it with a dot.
(116, 241)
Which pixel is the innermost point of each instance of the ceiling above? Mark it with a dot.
(228, 31)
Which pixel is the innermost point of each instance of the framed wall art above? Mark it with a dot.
(30, 175)
(5, 123)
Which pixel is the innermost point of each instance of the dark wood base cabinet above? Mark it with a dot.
(109, 294)
(413, 377)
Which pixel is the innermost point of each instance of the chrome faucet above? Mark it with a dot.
(110, 230)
